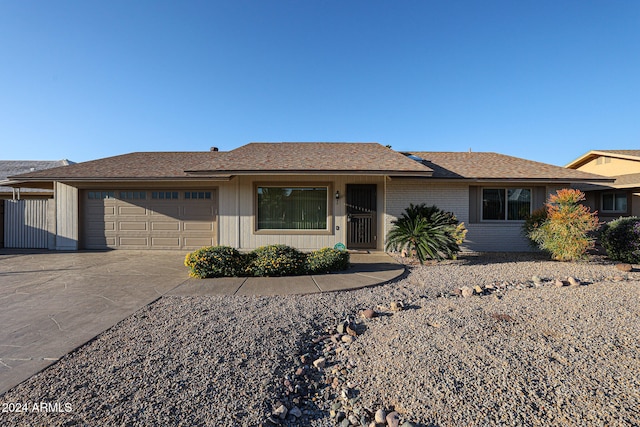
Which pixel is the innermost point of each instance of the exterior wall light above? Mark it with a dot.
(337, 195)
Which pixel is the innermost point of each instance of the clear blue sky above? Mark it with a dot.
(543, 80)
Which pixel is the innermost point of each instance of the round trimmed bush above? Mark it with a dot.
(276, 260)
(621, 239)
(215, 261)
(327, 260)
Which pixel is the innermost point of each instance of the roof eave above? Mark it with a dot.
(30, 181)
(319, 172)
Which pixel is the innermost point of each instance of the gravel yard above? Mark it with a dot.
(520, 354)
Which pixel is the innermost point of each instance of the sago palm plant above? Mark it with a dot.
(427, 232)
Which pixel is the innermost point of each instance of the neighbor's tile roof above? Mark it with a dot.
(287, 157)
(14, 167)
(482, 165)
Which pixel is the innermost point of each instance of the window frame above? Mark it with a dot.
(614, 194)
(275, 231)
(505, 191)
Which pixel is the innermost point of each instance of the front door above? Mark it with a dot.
(361, 216)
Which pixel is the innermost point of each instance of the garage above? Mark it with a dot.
(148, 219)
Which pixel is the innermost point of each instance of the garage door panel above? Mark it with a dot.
(165, 242)
(198, 226)
(96, 211)
(132, 210)
(133, 241)
(132, 225)
(198, 211)
(165, 226)
(100, 226)
(198, 241)
(171, 211)
(146, 223)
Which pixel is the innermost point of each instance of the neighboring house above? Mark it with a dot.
(23, 211)
(15, 167)
(620, 198)
(306, 195)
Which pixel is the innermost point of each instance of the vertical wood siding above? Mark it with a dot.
(67, 224)
(25, 224)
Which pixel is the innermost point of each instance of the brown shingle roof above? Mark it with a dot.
(351, 158)
(631, 180)
(133, 165)
(317, 157)
(481, 165)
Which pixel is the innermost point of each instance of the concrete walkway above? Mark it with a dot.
(366, 270)
(53, 302)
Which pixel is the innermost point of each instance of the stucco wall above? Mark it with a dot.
(611, 167)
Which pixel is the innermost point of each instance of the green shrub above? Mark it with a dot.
(566, 233)
(326, 260)
(532, 222)
(621, 239)
(427, 232)
(215, 261)
(276, 260)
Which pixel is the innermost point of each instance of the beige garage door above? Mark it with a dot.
(151, 219)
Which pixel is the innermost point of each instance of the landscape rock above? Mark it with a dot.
(342, 327)
(351, 331)
(393, 419)
(466, 291)
(625, 267)
(320, 362)
(347, 339)
(296, 412)
(396, 306)
(380, 416)
(573, 281)
(281, 412)
(368, 314)
(559, 283)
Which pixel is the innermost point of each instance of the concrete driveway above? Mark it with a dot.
(53, 302)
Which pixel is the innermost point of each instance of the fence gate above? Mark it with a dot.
(25, 224)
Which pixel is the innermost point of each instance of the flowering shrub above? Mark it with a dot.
(326, 260)
(565, 232)
(276, 260)
(214, 261)
(621, 239)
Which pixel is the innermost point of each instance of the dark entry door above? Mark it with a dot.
(361, 216)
